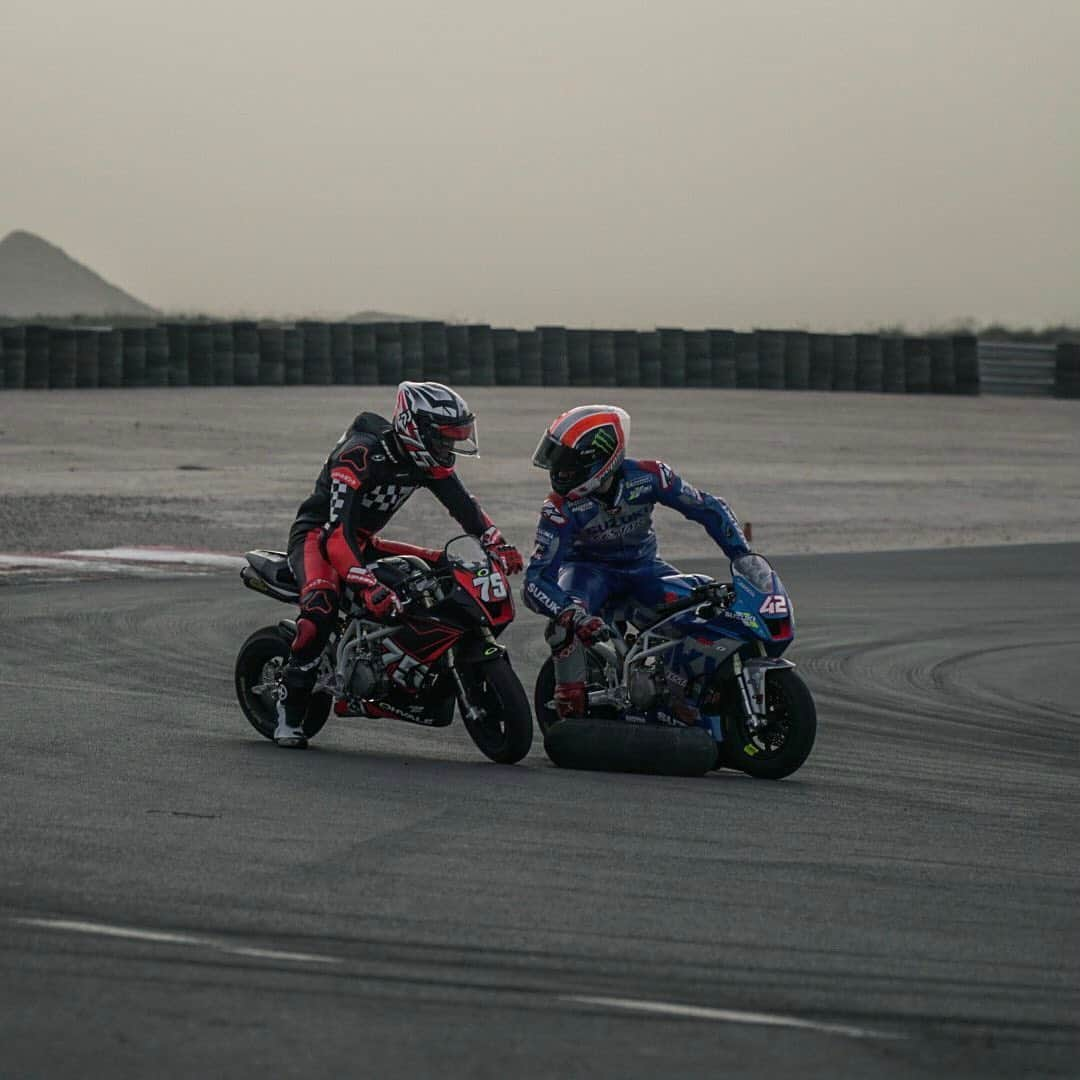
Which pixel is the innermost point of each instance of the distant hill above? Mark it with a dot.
(37, 278)
(381, 316)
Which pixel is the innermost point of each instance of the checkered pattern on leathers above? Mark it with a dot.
(385, 497)
(338, 491)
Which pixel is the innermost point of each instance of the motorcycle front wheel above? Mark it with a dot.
(784, 743)
(504, 733)
(259, 665)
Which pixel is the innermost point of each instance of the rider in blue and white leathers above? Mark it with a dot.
(599, 544)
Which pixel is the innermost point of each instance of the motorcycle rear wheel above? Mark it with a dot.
(604, 742)
(778, 749)
(258, 667)
(504, 734)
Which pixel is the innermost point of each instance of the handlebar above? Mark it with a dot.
(714, 592)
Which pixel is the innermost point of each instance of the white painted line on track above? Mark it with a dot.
(122, 560)
(159, 555)
(728, 1016)
(162, 937)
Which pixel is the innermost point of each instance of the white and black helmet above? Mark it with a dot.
(433, 424)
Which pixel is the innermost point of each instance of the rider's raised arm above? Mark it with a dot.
(460, 505)
(708, 510)
(554, 533)
(348, 477)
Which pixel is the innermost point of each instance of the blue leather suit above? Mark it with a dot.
(593, 550)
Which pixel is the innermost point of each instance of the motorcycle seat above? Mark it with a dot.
(272, 566)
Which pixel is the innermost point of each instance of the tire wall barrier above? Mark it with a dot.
(722, 359)
(365, 354)
(133, 345)
(869, 364)
(435, 352)
(224, 354)
(61, 359)
(916, 365)
(942, 366)
(672, 357)
(271, 356)
(294, 356)
(412, 351)
(577, 357)
(843, 363)
(157, 356)
(507, 362)
(457, 345)
(698, 362)
(179, 353)
(770, 351)
(342, 368)
(892, 365)
(201, 354)
(746, 361)
(37, 358)
(602, 357)
(530, 358)
(110, 359)
(966, 361)
(14, 339)
(1067, 370)
(316, 339)
(481, 355)
(821, 361)
(627, 358)
(650, 358)
(86, 358)
(554, 367)
(796, 360)
(246, 353)
(245, 336)
(388, 358)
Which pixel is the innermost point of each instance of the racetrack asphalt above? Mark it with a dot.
(178, 897)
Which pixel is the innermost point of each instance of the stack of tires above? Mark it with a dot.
(1067, 370)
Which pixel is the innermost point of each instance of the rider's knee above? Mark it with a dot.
(560, 638)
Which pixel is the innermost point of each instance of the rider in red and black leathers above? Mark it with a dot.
(370, 473)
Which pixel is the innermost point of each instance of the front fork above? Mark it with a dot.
(750, 675)
(488, 649)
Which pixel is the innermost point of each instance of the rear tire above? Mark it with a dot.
(616, 746)
(792, 713)
(505, 734)
(259, 665)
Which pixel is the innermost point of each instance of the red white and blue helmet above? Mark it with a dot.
(433, 424)
(584, 448)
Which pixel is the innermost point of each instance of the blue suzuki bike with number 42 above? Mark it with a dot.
(695, 684)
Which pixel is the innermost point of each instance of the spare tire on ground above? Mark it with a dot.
(616, 746)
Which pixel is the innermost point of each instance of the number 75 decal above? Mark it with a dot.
(776, 604)
(492, 586)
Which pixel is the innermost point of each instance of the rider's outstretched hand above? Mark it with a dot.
(506, 554)
(589, 629)
(379, 600)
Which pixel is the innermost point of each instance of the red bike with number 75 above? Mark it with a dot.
(441, 651)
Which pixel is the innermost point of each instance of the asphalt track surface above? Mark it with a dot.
(178, 897)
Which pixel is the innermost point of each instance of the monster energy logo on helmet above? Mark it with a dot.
(604, 440)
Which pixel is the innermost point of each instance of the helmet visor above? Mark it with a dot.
(568, 467)
(450, 439)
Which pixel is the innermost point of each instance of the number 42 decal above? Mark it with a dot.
(774, 605)
(491, 586)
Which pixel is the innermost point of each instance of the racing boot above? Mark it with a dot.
(292, 708)
(570, 700)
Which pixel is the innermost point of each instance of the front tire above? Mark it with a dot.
(504, 734)
(259, 665)
(778, 749)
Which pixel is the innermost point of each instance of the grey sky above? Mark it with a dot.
(830, 164)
